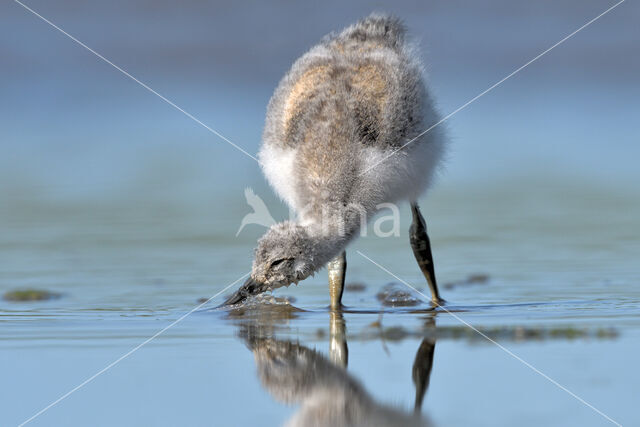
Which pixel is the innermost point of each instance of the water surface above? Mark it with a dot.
(561, 293)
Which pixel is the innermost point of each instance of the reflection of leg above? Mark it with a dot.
(422, 366)
(422, 370)
(422, 250)
(337, 268)
(338, 350)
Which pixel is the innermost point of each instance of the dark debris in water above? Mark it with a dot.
(524, 333)
(472, 279)
(396, 295)
(22, 295)
(395, 333)
(497, 333)
(355, 287)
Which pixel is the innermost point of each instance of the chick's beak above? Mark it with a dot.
(250, 288)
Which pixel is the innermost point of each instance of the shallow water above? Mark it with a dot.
(561, 294)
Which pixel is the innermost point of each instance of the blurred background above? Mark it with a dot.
(75, 129)
(129, 209)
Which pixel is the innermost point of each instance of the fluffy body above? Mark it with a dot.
(342, 109)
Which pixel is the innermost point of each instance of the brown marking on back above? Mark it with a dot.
(324, 149)
(370, 84)
(370, 89)
(303, 89)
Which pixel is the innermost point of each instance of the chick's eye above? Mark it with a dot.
(279, 261)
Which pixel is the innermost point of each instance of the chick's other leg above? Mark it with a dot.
(422, 250)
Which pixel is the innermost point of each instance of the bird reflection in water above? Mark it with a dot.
(327, 394)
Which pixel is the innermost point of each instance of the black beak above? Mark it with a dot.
(250, 288)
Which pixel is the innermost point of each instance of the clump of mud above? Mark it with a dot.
(525, 333)
(397, 295)
(263, 299)
(264, 307)
(22, 295)
(484, 335)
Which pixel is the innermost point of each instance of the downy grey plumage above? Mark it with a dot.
(344, 106)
